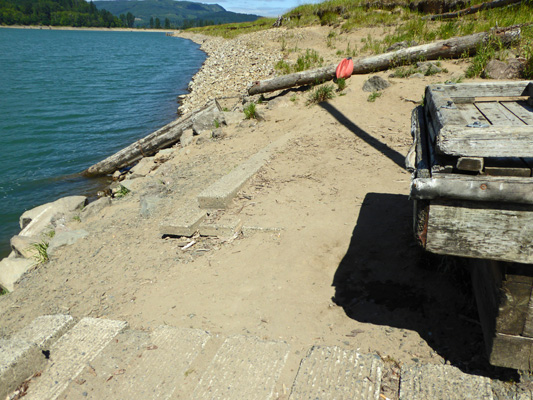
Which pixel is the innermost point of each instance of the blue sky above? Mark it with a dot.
(266, 8)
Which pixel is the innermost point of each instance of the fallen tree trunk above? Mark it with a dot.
(151, 144)
(474, 9)
(450, 48)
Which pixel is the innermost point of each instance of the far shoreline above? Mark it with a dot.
(88, 28)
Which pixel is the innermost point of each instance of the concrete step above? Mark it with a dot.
(243, 368)
(71, 353)
(336, 373)
(22, 355)
(442, 382)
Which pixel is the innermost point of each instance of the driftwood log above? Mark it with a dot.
(450, 48)
(149, 145)
(473, 9)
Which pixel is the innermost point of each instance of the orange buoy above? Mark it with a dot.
(345, 68)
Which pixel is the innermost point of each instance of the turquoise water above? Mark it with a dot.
(68, 99)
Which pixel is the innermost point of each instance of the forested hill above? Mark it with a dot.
(181, 14)
(59, 13)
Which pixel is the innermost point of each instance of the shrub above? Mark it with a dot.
(320, 94)
(249, 111)
(341, 84)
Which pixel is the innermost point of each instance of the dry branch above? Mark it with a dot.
(450, 48)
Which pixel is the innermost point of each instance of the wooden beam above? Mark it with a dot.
(492, 141)
(476, 188)
(487, 89)
(481, 230)
(473, 9)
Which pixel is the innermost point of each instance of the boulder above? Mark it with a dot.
(144, 166)
(206, 120)
(22, 246)
(428, 68)
(95, 207)
(65, 239)
(232, 117)
(187, 137)
(11, 270)
(512, 69)
(149, 205)
(35, 221)
(375, 84)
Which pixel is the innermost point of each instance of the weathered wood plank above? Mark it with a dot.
(528, 326)
(471, 114)
(512, 352)
(521, 109)
(475, 188)
(442, 109)
(513, 307)
(419, 132)
(486, 283)
(472, 164)
(498, 114)
(493, 141)
(488, 89)
(509, 166)
(481, 230)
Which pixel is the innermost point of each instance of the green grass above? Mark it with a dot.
(249, 111)
(321, 93)
(122, 191)
(230, 31)
(41, 252)
(3, 291)
(341, 84)
(373, 96)
(309, 59)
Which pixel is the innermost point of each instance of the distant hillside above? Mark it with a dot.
(181, 14)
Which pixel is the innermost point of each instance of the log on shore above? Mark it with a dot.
(151, 144)
(450, 48)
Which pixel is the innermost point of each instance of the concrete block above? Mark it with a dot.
(162, 365)
(65, 239)
(23, 246)
(336, 373)
(21, 356)
(232, 117)
(224, 227)
(185, 222)
(11, 269)
(144, 166)
(243, 368)
(95, 207)
(442, 382)
(71, 353)
(63, 205)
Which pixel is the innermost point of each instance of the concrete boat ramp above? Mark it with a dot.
(56, 357)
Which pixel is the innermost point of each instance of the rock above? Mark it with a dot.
(232, 117)
(277, 103)
(187, 137)
(65, 239)
(512, 69)
(375, 84)
(95, 207)
(260, 114)
(206, 120)
(418, 75)
(149, 205)
(428, 68)
(218, 134)
(22, 246)
(35, 221)
(402, 45)
(11, 270)
(164, 155)
(144, 166)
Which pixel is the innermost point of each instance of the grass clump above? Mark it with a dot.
(41, 252)
(341, 84)
(283, 67)
(310, 59)
(373, 96)
(250, 111)
(3, 291)
(122, 191)
(321, 93)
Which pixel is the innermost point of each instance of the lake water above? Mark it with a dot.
(68, 99)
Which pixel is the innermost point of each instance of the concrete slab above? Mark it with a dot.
(23, 246)
(443, 382)
(21, 356)
(336, 373)
(243, 368)
(71, 353)
(220, 193)
(184, 222)
(162, 366)
(11, 269)
(224, 227)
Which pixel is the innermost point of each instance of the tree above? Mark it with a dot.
(130, 19)
(167, 23)
(157, 23)
(151, 22)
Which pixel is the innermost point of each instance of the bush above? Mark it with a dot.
(320, 94)
(341, 84)
(249, 111)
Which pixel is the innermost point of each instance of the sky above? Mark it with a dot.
(265, 8)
